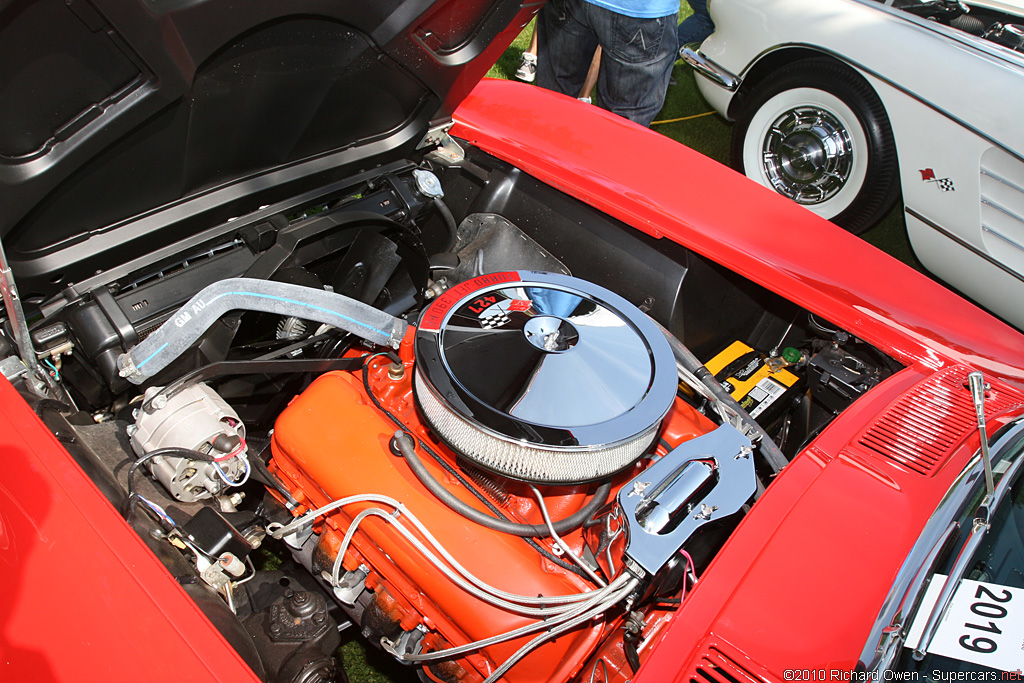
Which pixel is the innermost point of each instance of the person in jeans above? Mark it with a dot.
(527, 70)
(696, 27)
(638, 41)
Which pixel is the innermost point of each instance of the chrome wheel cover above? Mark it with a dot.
(808, 155)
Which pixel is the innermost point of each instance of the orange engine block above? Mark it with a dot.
(333, 442)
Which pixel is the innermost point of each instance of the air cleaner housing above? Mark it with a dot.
(542, 377)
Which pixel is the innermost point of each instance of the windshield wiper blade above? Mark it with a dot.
(956, 574)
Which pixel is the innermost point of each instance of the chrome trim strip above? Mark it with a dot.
(1000, 179)
(965, 245)
(996, 233)
(892, 636)
(710, 69)
(1002, 209)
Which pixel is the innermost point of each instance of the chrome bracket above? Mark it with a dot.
(690, 500)
(15, 313)
(446, 151)
(351, 586)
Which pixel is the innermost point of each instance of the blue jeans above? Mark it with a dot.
(636, 60)
(698, 26)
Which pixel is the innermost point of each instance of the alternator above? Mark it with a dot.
(198, 419)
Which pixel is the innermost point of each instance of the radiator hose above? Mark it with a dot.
(176, 335)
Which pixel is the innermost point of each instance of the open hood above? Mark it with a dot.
(127, 125)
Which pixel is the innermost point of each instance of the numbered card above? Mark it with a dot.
(984, 624)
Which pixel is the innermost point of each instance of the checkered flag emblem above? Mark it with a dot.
(944, 184)
(495, 319)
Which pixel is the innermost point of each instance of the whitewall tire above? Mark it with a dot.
(815, 132)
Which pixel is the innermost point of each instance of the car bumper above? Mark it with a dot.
(711, 70)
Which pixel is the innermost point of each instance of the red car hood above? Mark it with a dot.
(801, 581)
(757, 234)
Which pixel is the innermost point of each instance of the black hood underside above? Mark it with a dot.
(126, 126)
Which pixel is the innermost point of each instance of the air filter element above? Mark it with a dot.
(542, 377)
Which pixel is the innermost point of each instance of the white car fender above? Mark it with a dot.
(954, 111)
(927, 63)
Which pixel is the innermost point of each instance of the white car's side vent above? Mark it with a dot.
(1002, 207)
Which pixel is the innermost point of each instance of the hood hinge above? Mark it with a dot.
(446, 151)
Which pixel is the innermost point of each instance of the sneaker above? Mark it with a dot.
(527, 70)
(585, 100)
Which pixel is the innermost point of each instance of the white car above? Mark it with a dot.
(844, 105)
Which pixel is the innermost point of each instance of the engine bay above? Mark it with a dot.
(498, 431)
(989, 23)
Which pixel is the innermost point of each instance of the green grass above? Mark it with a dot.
(366, 664)
(508, 62)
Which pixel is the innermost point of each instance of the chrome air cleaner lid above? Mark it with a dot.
(542, 377)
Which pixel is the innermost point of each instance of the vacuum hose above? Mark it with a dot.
(176, 335)
(407, 447)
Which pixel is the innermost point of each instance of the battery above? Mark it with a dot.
(745, 374)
